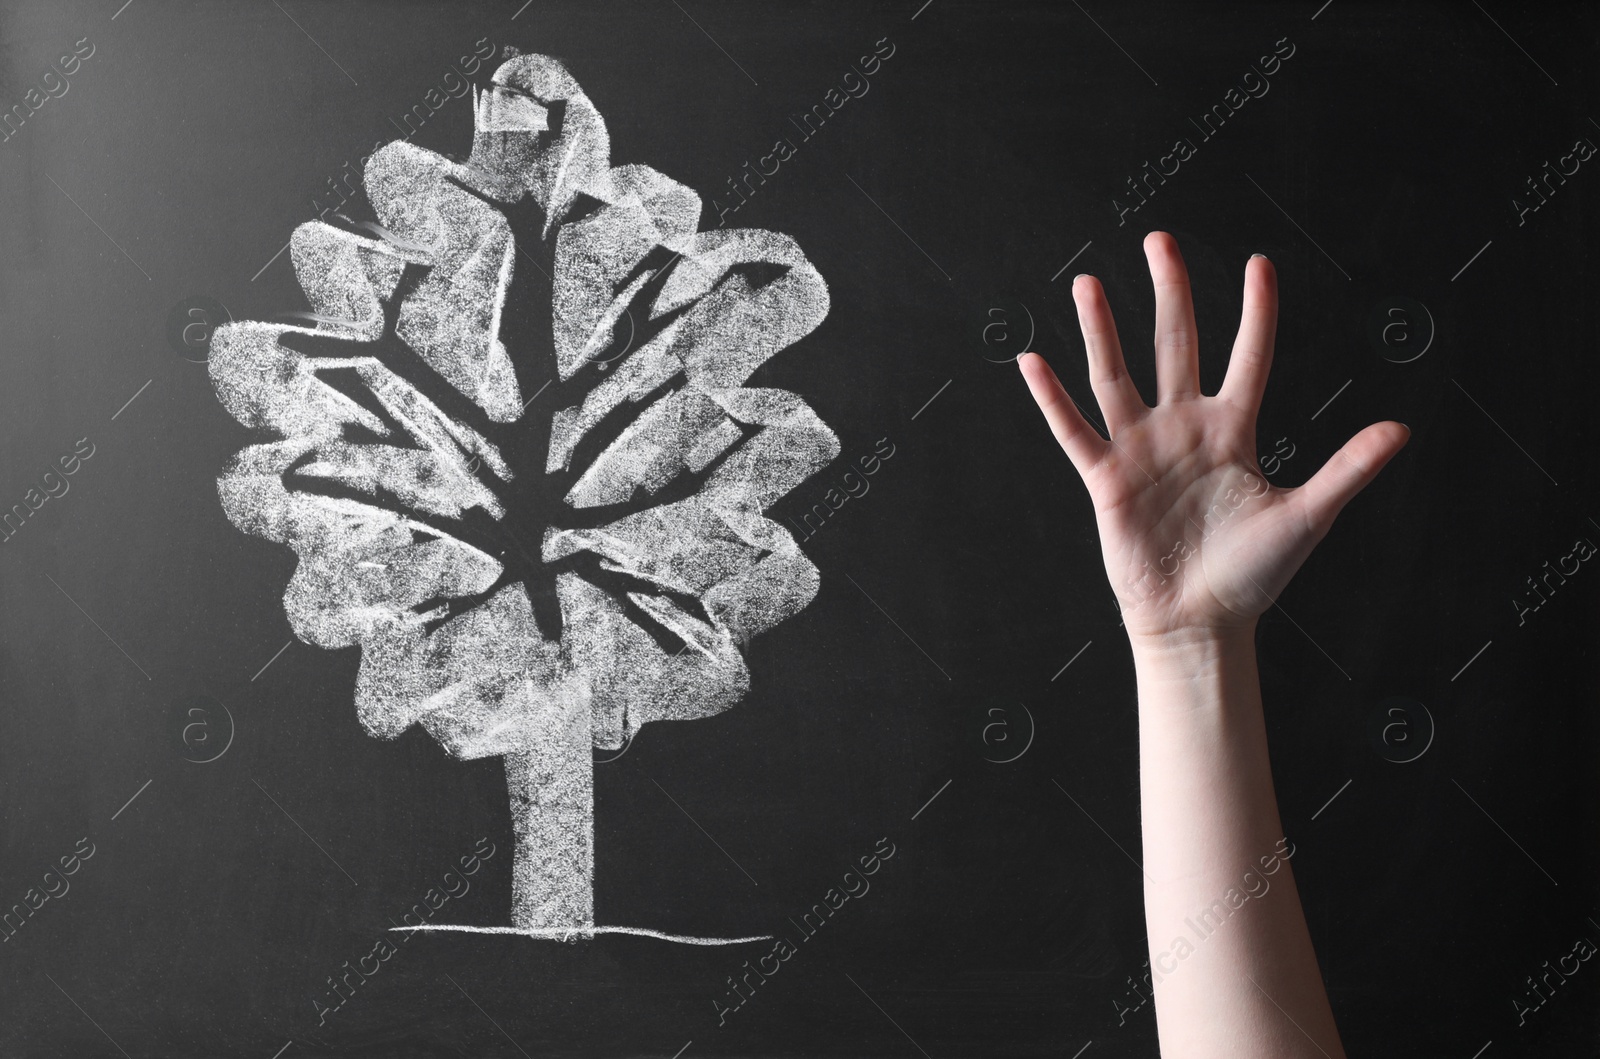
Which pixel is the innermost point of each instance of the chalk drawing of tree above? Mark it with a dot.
(517, 462)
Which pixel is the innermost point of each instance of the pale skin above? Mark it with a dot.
(1197, 545)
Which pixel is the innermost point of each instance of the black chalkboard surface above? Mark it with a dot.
(810, 678)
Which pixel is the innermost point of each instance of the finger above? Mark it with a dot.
(1177, 338)
(1251, 359)
(1083, 445)
(1108, 374)
(1346, 473)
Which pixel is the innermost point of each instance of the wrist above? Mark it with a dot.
(1192, 654)
(1192, 638)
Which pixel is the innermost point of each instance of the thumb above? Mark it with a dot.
(1347, 472)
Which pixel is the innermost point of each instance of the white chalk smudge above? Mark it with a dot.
(410, 521)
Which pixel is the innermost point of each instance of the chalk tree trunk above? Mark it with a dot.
(552, 817)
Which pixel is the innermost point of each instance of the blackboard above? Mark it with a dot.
(935, 760)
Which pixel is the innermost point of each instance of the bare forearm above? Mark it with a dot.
(1231, 959)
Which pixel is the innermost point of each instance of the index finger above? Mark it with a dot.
(1246, 380)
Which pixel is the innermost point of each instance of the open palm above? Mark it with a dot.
(1195, 542)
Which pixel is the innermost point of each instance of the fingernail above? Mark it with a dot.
(1079, 276)
(1254, 256)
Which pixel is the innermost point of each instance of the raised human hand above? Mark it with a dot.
(1196, 543)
